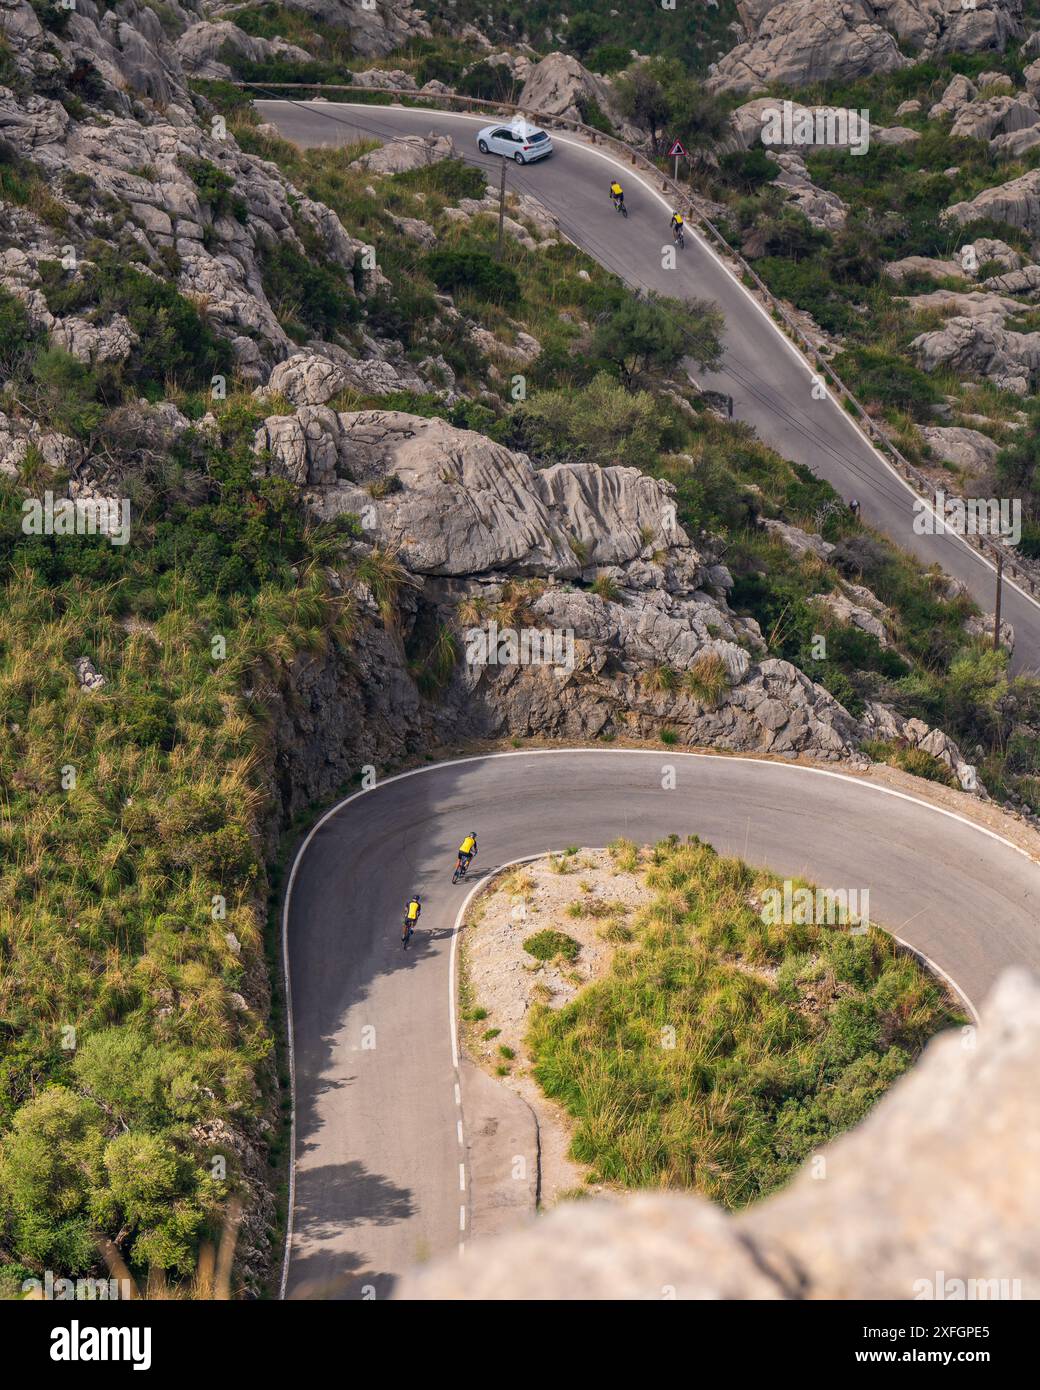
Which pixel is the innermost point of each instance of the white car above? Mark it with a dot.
(520, 141)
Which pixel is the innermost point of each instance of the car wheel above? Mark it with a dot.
(482, 146)
(519, 158)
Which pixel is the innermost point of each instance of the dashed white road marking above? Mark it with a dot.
(555, 752)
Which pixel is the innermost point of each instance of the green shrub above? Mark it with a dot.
(175, 342)
(600, 423)
(876, 375)
(476, 273)
(552, 945)
(652, 334)
(310, 298)
(66, 392)
(608, 58)
(215, 188)
(451, 178)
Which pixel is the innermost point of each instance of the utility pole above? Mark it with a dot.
(501, 209)
(996, 615)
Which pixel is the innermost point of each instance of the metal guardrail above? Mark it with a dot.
(1026, 571)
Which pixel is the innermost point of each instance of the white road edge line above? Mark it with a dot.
(532, 753)
(635, 174)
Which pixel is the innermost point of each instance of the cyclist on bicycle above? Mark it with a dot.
(676, 225)
(617, 194)
(412, 914)
(468, 850)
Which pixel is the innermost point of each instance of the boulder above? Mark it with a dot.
(843, 609)
(560, 86)
(797, 541)
(94, 343)
(464, 505)
(203, 46)
(306, 378)
(408, 152)
(1017, 203)
(982, 120)
(799, 42)
(967, 449)
(1024, 281)
(823, 208)
(959, 91)
(376, 27)
(383, 80)
(980, 346)
(924, 265)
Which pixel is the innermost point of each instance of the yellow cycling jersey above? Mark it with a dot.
(677, 220)
(413, 911)
(468, 845)
(615, 188)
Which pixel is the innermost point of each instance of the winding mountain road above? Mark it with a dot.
(386, 1123)
(769, 380)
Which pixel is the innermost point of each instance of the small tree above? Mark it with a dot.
(653, 334)
(642, 98)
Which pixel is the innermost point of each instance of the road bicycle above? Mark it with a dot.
(461, 868)
(619, 203)
(678, 238)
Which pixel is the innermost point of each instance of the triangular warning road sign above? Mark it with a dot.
(677, 148)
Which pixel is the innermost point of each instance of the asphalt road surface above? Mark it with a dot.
(381, 1144)
(770, 382)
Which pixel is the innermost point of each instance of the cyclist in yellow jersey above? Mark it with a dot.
(412, 914)
(617, 193)
(468, 849)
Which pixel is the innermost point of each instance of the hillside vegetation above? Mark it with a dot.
(720, 1052)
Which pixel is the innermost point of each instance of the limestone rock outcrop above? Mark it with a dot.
(802, 41)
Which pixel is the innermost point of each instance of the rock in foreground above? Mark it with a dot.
(939, 1184)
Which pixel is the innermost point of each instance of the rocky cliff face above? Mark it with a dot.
(796, 42)
(624, 621)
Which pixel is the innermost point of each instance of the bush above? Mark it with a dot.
(66, 392)
(451, 178)
(600, 423)
(876, 375)
(747, 170)
(215, 188)
(609, 58)
(486, 81)
(174, 341)
(475, 272)
(806, 285)
(552, 945)
(652, 334)
(310, 298)
(15, 332)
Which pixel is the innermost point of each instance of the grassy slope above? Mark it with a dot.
(720, 1052)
